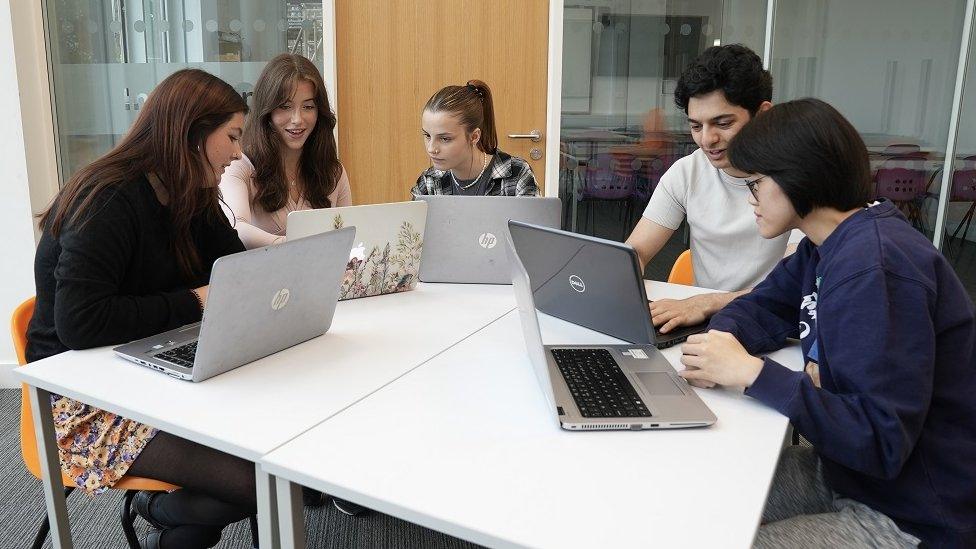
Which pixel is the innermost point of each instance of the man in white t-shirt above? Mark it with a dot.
(720, 92)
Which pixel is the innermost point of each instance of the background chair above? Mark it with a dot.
(903, 149)
(901, 179)
(28, 444)
(964, 190)
(610, 178)
(682, 271)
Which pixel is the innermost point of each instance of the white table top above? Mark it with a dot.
(465, 444)
(253, 409)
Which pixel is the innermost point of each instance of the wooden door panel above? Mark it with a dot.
(394, 54)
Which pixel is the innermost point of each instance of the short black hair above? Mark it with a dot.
(814, 154)
(734, 69)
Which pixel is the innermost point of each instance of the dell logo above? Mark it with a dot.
(280, 299)
(576, 283)
(487, 241)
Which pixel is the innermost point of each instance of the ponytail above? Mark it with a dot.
(473, 105)
(489, 139)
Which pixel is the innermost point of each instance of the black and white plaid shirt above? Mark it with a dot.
(510, 176)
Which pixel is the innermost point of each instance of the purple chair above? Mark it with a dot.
(652, 170)
(903, 149)
(964, 190)
(610, 178)
(901, 179)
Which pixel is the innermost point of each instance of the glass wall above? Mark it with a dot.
(107, 55)
(890, 68)
(959, 241)
(620, 128)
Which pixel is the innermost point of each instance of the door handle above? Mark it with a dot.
(534, 135)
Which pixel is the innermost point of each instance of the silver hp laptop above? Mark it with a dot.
(600, 387)
(260, 302)
(389, 239)
(591, 282)
(464, 235)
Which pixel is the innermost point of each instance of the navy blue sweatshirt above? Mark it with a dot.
(885, 321)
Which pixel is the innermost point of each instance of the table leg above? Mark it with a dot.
(47, 452)
(291, 515)
(268, 536)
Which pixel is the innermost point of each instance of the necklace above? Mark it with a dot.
(484, 166)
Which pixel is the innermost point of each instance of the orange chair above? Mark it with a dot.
(28, 444)
(682, 271)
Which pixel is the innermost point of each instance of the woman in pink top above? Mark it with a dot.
(290, 159)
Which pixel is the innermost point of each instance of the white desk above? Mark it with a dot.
(465, 444)
(250, 411)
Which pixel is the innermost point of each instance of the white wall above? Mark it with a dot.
(869, 59)
(16, 226)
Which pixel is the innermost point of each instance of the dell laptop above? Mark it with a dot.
(464, 236)
(259, 302)
(389, 239)
(592, 282)
(604, 387)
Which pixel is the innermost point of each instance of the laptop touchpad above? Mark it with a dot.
(659, 383)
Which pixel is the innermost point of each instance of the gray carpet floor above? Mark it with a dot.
(95, 520)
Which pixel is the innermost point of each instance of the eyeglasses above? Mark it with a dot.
(752, 186)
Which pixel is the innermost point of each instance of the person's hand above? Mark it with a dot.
(202, 291)
(672, 313)
(718, 358)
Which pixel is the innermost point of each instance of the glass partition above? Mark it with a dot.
(107, 55)
(890, 68)
(959, 242)
(620, 129)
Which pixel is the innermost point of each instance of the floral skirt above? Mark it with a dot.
(96, 447)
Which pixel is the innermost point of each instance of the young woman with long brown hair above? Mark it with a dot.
(460, 139)
(291, 161)
(126, 252)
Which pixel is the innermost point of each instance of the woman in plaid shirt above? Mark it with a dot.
(459, 135)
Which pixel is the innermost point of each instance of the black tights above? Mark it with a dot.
(217, 490)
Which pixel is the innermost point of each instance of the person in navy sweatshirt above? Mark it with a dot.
(888, 396)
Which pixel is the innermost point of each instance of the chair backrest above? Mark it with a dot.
(964, 181)
(18, 328)
(902, 149)
(28, 444)
(18, 331)
(609, 177)
(900, 184)
(682, 272)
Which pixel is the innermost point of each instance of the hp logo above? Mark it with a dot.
(280, 299)
(576, 283)
(487, 241)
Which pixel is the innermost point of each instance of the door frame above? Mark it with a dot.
(554, 78)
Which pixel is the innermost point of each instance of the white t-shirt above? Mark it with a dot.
(727, 251)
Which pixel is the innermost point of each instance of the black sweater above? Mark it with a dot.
(113, 277)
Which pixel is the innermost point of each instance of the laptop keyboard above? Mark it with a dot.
(597, 384)
(181, 356)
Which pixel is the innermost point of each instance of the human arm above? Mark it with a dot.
(765, 317)
(647, 239)
(236, 203)
(672, 313)
(90, 306)
(342, 195)
(877, 351)
(525, 185)
(421, 187)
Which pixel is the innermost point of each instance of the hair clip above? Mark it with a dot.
(477, 91)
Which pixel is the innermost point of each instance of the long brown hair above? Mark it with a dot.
(319, 161)
(473, 105)
(167, 139)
